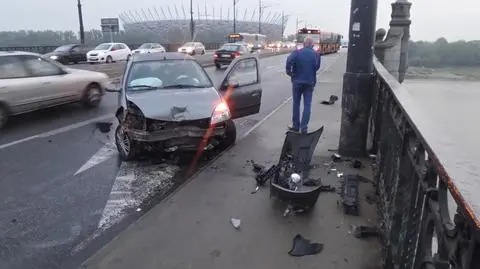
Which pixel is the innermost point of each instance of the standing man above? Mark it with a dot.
(302, 66)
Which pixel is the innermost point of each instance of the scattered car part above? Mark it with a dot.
(366, 232)
(236, 223)
(349, 195)
(303, 247)
(331, 100)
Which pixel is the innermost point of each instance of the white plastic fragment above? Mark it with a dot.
(235, 223)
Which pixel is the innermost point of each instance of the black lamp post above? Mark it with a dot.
(80, 21)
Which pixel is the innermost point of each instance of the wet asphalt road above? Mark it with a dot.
(51, 211)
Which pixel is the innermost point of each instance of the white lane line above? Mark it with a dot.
(260, 122)
(104, 153)
(57, 131)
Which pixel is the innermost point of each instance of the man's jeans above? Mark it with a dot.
(299, 90)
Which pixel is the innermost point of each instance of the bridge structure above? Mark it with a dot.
(429, 212)
(427, 207)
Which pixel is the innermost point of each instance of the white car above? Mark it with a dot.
(149, 48)
(192, 48)
(30, 81)
(109, 52)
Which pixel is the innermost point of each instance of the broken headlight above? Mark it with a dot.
(220, 114)
(135, 118)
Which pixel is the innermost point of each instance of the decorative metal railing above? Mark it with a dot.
(416, 172)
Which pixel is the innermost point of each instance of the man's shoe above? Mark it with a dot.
(291, 129)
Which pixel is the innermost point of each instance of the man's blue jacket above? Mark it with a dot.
(302, 66)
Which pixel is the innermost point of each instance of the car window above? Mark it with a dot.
(244, 72)
(103, 46)
(167, 74)
(230, 47)
(39, 67)
(12, 67)
(76, 49)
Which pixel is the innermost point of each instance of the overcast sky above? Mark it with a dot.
(451, 19)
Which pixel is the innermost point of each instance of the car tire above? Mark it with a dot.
(3, 115)
(92, 95)
(203, 52)
(230, 135)
(129, 56)
(109, 59)
(193, 53)
(126, 146)
(218, 66)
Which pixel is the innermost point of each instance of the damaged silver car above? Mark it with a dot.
(167, 102)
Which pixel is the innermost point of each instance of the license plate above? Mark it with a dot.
(226, 56)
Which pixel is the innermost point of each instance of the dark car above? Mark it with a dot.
(258, 46)
(227, 53)
(168, 103)
(66, 54)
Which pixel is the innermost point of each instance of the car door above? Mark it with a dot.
(241, 86)
(126, 51)
(54, 86)
(20, 91)
(76, 54)
(116, 52)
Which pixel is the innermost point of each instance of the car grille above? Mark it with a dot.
(156, 125)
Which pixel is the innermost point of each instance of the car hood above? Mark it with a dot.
(141, 50)
(97, 51)
(55, 53)
(177, 104)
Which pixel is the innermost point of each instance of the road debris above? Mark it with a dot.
(336, 157)
(302, 247)
(235, 223)
(366, 232)
(331, 100)
(349, 195)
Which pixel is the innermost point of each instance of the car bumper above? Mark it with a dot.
(96, 59)
(186, 138)
(223, 61)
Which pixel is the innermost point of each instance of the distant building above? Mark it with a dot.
(172, 25)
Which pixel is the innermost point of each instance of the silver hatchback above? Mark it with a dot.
(29, 81)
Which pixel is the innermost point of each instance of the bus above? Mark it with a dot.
(247, 38)
(325, 42)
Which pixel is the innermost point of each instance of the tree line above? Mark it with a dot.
(442, 53)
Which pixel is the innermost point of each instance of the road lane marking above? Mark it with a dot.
(103, 154)
(57, 131)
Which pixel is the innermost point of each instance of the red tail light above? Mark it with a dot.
(236, 54)
(215, 55)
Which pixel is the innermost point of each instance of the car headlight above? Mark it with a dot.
(54, 57)
(220, 114)
(189, 49)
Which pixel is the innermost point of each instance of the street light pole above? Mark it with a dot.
(192, 26)
(259, 16)
(234, 16)
(80, 21)
(358, 79)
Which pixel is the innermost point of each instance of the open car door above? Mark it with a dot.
(241, 86)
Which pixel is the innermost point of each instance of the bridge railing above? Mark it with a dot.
(416, 171)
(50, 48)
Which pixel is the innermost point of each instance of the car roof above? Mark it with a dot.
(161, 56)
(18, 53)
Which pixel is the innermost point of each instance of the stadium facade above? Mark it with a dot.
(171, 24)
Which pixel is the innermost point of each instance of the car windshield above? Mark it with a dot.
(104, 46)
(166, 74)
(64, 48)
(145, 46)
(229, 47)
(189, 44)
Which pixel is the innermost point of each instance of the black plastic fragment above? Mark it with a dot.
(349, 195)
(265, 175)
(366, 232)
(357, 164)
(302, 247)
(331, 100)
(103, 127)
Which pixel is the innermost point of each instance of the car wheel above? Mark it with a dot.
(3, 116)
(218, 66)
(92, 95)
(230, 135)
(203, 52)
(128, 57)
(126, 146)
(109, 59)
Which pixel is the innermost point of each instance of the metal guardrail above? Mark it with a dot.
(414, 176)
(50, 48)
